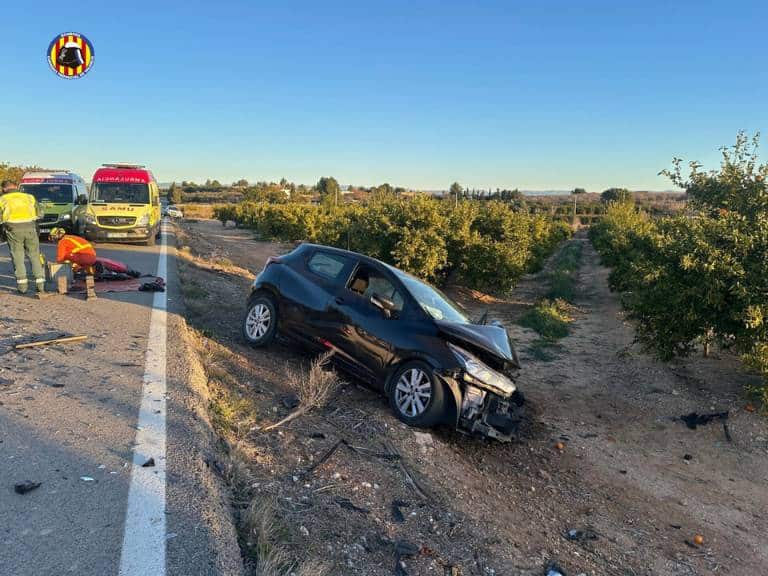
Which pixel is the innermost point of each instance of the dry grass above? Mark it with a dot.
(192, 211)
(313, 388)
(264, 535)
(312, 568)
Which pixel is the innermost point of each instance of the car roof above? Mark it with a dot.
(307, 246)
(50, 177)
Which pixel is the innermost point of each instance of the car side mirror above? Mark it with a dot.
(384, 304)
(82, 200)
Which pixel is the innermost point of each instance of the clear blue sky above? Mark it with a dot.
(535, 95)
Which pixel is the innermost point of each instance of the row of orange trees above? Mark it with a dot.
(482, 245)
(701, 276)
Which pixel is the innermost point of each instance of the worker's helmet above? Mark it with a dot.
(70, 55)
(57, 233)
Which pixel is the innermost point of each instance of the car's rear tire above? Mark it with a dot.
(260, 320)
(416, 396)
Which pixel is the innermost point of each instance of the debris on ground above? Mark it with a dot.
(26, 486)
(87, 479)
(347, 504)
(694, 420)
(397, 513)
(149, 463)
(157, 285)
(576, 535)
(60, 340)
(554, 570)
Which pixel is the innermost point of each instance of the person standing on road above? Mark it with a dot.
(18, 215)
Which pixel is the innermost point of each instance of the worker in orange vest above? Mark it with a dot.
(74, 249)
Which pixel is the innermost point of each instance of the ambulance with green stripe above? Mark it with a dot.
(123, 205)
(59, 193)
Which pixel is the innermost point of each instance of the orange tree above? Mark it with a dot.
(702, 275)
(484, 245)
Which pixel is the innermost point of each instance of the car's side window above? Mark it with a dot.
(367, 282)
(327, 265)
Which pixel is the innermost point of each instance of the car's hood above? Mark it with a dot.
(488, 337)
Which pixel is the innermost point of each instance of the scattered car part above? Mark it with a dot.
(694, 419)
(577, 535)
(397, 514)
(26, 486)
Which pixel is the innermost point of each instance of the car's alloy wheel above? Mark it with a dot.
(260, 322)
(413, 392)
(416, 395)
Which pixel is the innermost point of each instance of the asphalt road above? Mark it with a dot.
(82, 418)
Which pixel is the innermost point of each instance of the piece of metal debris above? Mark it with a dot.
(26, 486)
(576, 535)
(397, 513)
(348, 505)
(149, 463)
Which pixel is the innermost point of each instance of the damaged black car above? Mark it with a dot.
(395, 332)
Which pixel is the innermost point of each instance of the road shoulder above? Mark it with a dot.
(201, 536)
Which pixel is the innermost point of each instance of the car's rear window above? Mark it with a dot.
(327, 265)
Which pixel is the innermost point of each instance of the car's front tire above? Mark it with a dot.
(260, 320)
(416, 396)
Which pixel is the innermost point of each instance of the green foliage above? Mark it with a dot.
(329, 191)
(564, 274)
(616, 195)
(486, 245)
(174, 194)
(14, 173)
(701, 275)
(550, 318)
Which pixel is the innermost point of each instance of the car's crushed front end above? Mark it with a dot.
(487, 398)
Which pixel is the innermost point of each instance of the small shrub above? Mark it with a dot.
(550, 318)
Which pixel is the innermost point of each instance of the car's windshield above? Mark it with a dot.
(432, 301)
(55, 193)
(115, 192)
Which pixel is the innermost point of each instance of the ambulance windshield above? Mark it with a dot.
(53, 193)
(120, 192)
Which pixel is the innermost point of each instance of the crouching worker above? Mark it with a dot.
(18, 215)
(74, 249)
(82, 255)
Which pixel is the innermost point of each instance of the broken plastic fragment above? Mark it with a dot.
(26, 486)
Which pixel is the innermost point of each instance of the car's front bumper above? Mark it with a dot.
(485, 413)
(99, 234)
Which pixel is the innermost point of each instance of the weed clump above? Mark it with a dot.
(550, 318)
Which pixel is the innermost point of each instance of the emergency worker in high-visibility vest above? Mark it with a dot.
(18, 215)
(74, 249)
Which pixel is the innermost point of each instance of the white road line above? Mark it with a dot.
(144, 537)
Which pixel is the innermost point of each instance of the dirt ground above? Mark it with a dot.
(628, 470)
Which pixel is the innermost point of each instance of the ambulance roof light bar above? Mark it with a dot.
(123, 165)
